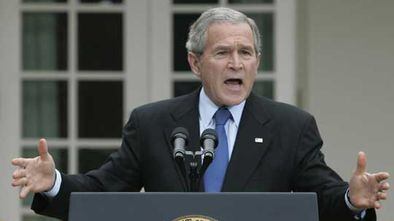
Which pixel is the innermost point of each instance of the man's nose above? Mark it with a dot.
(235, 61)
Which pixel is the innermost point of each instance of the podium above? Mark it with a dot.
(151, 206)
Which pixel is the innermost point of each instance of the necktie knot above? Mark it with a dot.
(222, 115)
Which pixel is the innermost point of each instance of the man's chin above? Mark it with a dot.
(232, 101)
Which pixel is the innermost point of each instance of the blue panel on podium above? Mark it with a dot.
(193, 206)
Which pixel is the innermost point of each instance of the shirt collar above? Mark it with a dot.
(207, 109)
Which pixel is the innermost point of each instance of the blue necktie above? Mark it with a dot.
(214, 175)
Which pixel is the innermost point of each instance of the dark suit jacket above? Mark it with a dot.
(289, 159)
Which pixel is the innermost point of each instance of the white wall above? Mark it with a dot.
(9, 101)
(347, 68)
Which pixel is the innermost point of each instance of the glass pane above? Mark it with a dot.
(100, 41)
(102, 1)
(181, 26)
(38, 218)
(100, 109)
(265, 23)
(250, 1)
(194, 1)
(42, 1)
(60, 156)
(44, 41)
(181, 88)
(264, 88)
(44, 109)
(90, 159)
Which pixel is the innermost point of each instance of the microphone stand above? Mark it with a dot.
(195, 172)
(208, 144)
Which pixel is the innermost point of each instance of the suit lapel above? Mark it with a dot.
(185, 114)
(251, 143)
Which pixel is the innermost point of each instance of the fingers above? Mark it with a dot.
(381, 195)
(43, 149)
(382, 192)
(25, 188)
(361, 163)
(19, 182)
(21, 162)
(377, 205)
(384, 186)
(19, 173)
(24, 192)
(381, 176)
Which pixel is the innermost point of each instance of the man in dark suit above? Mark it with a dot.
(263, 145)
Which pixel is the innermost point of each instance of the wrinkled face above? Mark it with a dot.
(228, 65)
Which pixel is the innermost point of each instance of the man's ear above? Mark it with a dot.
(194, 63)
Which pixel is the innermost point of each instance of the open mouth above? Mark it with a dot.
(233, 81)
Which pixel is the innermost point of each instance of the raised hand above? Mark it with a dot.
(34, 174)
(366, 189)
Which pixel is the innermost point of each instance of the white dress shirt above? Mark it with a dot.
(207, 109)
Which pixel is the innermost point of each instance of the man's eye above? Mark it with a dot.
(246, 52)
(220, 52)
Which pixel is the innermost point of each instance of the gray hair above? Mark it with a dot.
(197, 34)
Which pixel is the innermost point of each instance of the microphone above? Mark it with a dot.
(209, 142)
(179, 140)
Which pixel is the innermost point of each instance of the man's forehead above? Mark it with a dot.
(218, 33)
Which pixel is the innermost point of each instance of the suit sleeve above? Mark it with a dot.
(313, 175)
(120, 172)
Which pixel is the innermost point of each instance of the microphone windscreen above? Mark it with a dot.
(209, 134)
(179, 132)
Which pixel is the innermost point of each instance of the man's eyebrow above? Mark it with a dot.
(223, 47)
(248, 47)
(239, 46)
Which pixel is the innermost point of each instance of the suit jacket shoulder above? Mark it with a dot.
(278, 111)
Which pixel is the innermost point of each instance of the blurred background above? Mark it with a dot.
(72, 70)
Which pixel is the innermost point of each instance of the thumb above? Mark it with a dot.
(361, 163)
(43, 149)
